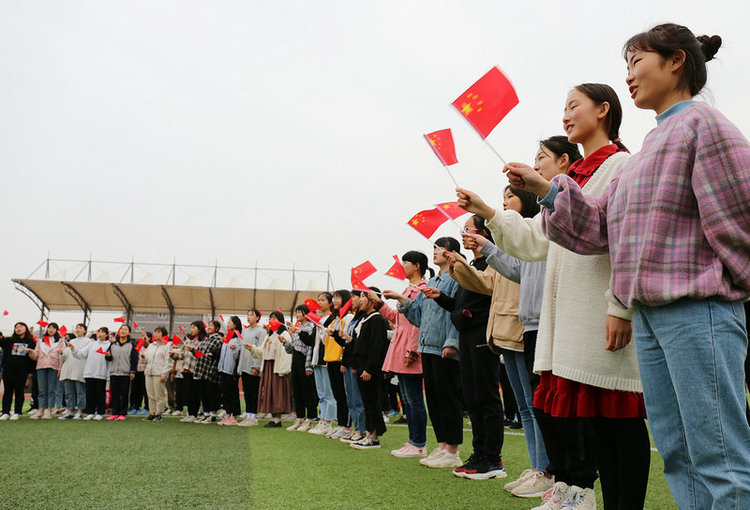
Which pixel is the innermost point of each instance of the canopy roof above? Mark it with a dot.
(149, 298)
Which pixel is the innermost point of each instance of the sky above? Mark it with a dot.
(287, 133)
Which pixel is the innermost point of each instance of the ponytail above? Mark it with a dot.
(601, 93)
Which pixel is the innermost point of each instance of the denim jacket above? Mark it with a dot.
(436, 331)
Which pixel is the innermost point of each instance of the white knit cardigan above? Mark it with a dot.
(572, 326)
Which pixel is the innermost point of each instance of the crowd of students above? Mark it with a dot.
(657, 240)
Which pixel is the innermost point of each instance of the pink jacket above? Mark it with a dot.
(50, 358)
(405, 338)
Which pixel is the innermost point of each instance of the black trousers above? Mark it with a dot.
(119, 387)
(339, 393)
(230, 392)
(623, 458)
(189, 394)
(480, 369)
(442, 392)
(138, 391)
(14, 383)
(34, 391)
(570, 447)
(509, 399)
(372, 393)
(209, 395)
(529, 349)
(96, 396)
(250, 385)
(303, 389)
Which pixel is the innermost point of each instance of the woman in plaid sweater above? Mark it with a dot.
(206, 368)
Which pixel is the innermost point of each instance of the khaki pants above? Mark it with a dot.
(155, 389)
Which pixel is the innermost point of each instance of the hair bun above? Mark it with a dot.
(710, 45)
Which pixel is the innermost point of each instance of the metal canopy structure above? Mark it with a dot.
(90, 295)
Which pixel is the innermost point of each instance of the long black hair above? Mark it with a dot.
(418, 258)
(201, 329)
(560, 146)
(601, 93)
(27, 334)
(529, 203)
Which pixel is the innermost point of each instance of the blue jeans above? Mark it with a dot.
(354, 401)
(325, 393)
(416, 415)
(75, 395)
(47, 380)
(691, 356)
(515, 366)
(59, 390)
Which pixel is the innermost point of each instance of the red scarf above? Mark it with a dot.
(583, 169)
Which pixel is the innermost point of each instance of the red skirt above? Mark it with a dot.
(563, 398)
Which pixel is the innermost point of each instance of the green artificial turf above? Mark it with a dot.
(134, 465)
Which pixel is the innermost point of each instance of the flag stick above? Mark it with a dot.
(447, 169)
(496, 153)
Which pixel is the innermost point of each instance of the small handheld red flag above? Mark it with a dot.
(139, 345)
(314, 317)
(397, 269)
(297, 324)
(451, 210)
(427, 222)
(165, 339)
(364, 270)
(135, 325)
(204, 324)
(5, 312)
(42, 324)
(487, 102)
(442, 145)
(176, 340)
(221, 317)
(345, 308)
(198, 354)
(228, 337)
(181, 330)
(120, 319)
(46, 340)
(101, 351)
(358, 284)
(311, 304)
(63, 331)
(274, 325)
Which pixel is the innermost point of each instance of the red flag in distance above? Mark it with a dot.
(5, 312)
(311, 304)
(135, 325)
(139, 345)
(181, 330)
(427, 222)
(314, 317)
(345, 308)
(442, 145)
(42, 324)
(120, 319)
(165, 339)
(397, 270)
(176, 340)
(221, 317)
(46, 340)
(451, 209)
(487, 102)
(364, 270)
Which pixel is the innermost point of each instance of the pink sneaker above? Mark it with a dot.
(409, 450)
(121, 417)
(111, 418)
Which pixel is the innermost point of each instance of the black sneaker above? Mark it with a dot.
(150, 417)
(402, 419)
(366, 443)
(515, 425)
(157, 418)
(272, 425)
(470, 463)
(484, 470)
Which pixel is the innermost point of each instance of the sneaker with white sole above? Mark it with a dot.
(520, 480)
(352, 438)
(98, 417)
(446, 460)
(321, 429)
(554, 498)
(5, 417)
(33, 412)
(434, 454)
(485, 470)
(188, 419)
(221, 414)
(295, 425)
(88, 417)
(580, 499)
(408, 451)
(534, 486)
(78, 416)
(15, 417)
(305, 426)
(177, 413)
(366, 443)
(334, 431)
(341, 433)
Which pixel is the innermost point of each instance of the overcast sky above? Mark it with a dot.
(287, 132)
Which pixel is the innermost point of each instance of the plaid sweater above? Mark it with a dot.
(676, 219)
(298, 345)
(206, 368)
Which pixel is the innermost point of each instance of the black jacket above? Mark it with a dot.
(371, 345)
(468, 309)
(20, 361)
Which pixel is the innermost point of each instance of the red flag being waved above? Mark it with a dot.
(5, 312)
(345, 308)
(139, 345)
(451, 210)
(198, 354)
(364, 270)
(427, 222)
(311, 304)
(42, 324)
(487, 102)
(358, 284)
(442, 144)
(63, 331)
(397, 270)
(274, 325)
(120, 319)
(313, 317)
(176, 340)
(181, 330)
(101, 351)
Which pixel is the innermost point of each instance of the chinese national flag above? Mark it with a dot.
(487, 102)
(397, 270)
(274, 325)
(442, 144)
(345, 308)
(139, 345)
(427, 222)
(311, 304)
(101, 351)
(135, 325)
(230, 335)
(165, 339)
(198, 354)
(314, 317)
(46, 340)
(451, 209)
(5, 312)
(42, 324)
(358, 284)
(120, 319)
(63, 331)
(364, 270)
(176, 340)
(181, 330)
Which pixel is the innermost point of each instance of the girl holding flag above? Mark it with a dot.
(47, 356)
(158, 365)
(207, 352)
(123, 363)
(273, 395)
(184, 353)
(17, 368)
(322, 381)
(249, 367)
(332, 357)
(230, 351)
(302, 382)
(95, 372)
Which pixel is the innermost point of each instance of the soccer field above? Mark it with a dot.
(135, 464)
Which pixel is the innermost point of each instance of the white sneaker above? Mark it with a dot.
(98, 417)
(89, 417)
(33, 412)
(188, 419)
(293, 426)
(534, 486)
(305, 426)
(77, 416)
(437, 452)
(221, 414)
(554, 498)
(177, 413)
(580, 499)
(408, 451)
(332, 432)
(519, 481)
(321, 429)
(14, 417)
(446, 460)
(5, 417)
